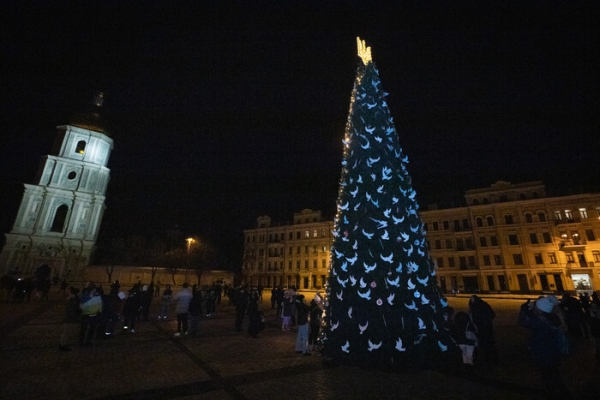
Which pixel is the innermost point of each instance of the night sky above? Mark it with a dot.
(222, 112)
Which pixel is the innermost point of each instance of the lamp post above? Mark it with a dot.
(189, 245)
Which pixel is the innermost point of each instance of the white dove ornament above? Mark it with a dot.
(399, 345)
(373, 346)
(346, 347)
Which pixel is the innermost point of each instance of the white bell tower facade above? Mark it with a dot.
(60, 214)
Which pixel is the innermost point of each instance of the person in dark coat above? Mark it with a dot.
(302, 312)
(241, 304)
(279, 298)
(574, 315)
(460, 333)
(316, 311)
(545, 343)
(594, 311)
(195, 310)
(483, 316)
(72, 319)
(254, 315)
(146, 296)
(130, 311)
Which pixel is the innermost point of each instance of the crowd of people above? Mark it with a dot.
(92, 314)
(98, 314)
(553, 325)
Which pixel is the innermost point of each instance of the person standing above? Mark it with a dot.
(254, 315)
(195, 310)
(241, 305)
(483, 316)
(465, 334)
(279, 298)
(157, 289)
(302, 312)
(91, 310)
(145, 301)
(63, 286)
(165, 302)
(182, 299)
(130, 311)
(594, 312)
(545, 343)
(72, 319)
(316, 311)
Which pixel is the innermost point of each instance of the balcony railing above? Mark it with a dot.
(572, 244)
(566, 221)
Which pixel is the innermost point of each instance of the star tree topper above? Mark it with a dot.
(364, 52)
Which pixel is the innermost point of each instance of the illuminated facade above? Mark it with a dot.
(509, 238)
(59, 217)
(288, 255)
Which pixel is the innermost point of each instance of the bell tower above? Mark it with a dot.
(59, 217)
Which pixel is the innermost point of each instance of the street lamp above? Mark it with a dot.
(189, 245)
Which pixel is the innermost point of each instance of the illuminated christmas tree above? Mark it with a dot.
(383, 306)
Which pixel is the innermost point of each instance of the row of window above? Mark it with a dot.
(312, 282)
(275, 237)
(470, 261)
(279, 252)
(278, 266)
(559, 215)
(513, 239)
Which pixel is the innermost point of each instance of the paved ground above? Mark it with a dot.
(223, 364)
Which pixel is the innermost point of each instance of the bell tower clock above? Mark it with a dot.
(59, 217)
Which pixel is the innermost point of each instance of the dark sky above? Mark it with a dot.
(222, 111)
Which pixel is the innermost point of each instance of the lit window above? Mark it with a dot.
(568, 214)
(557, 215)
(583, 213)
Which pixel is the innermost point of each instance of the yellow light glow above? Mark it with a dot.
(364, 52)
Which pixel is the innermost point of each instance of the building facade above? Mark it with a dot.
(510, 238)
(60, 213)
(288, 255)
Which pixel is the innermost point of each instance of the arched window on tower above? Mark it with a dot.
(80, 149)
(58, 225)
